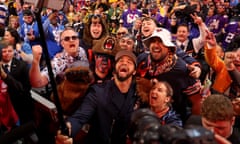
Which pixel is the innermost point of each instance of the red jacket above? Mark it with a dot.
(8, 116)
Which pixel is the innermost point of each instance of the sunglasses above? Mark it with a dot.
(67, 38)
(121, 33)
(95, 16)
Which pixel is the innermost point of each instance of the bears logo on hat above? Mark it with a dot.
(107, 45)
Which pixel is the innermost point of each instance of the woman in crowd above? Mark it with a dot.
(23, 50)
(14, 22)
(95, 29)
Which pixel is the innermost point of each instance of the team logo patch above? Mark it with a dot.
(109, 44)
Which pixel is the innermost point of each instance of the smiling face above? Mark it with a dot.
(70, 45)
(157, 50)
(126, 43)
(124, 68)
(121, 32)
(148, 26)
(103, 64)
(8, 37)
(96, 28)
(7, 53)
(182, 33)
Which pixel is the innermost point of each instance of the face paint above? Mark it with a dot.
(103, 63)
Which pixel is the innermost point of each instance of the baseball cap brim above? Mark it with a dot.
(163, 35)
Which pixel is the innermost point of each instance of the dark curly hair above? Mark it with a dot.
(14, 33)
(87, 38)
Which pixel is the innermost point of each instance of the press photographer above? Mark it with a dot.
(183, 12)
(146, 129)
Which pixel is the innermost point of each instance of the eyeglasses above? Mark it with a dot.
(67, 38)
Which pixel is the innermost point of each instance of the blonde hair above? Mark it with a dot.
(13, 17)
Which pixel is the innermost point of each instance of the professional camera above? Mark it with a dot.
(146, 129)
(184, 14)
(141, 121)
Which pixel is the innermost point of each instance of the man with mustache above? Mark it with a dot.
(107, 106)
(163, 64)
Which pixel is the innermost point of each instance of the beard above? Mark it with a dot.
(121, 78)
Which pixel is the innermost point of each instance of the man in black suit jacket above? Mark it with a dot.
(14, 73)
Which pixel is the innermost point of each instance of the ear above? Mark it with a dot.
(167, 99)
(61, 43)
(233, 121)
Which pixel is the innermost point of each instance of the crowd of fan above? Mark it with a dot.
(167, 55)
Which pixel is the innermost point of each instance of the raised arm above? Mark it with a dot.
(223, 79)
(198, 42)
(36, 78)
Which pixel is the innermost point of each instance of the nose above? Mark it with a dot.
(153, 90)
(124, 43)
